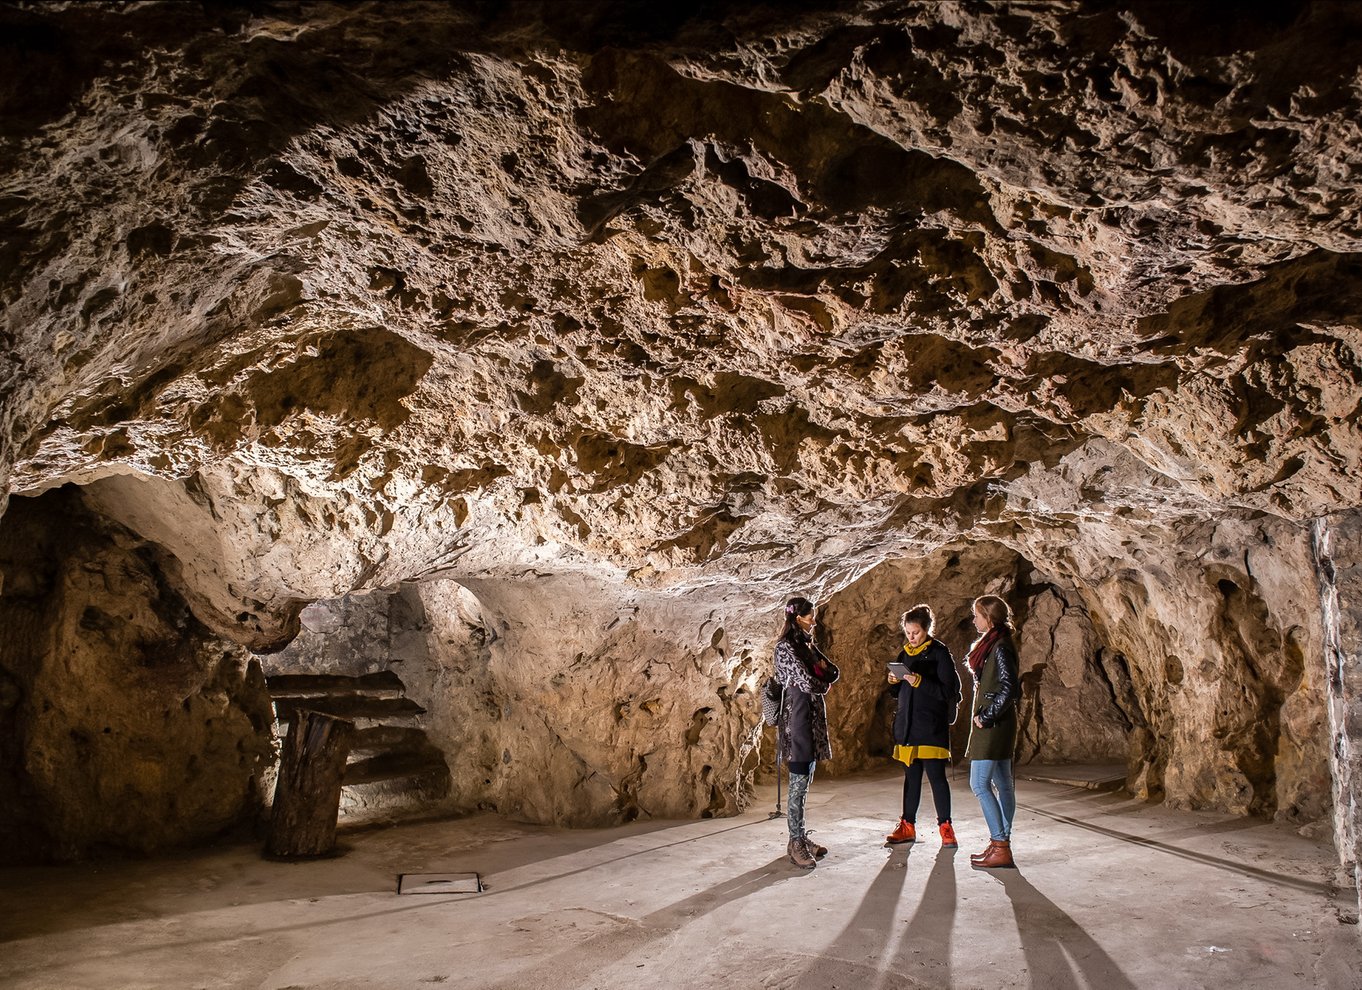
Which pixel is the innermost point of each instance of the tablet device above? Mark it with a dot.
(899, 670)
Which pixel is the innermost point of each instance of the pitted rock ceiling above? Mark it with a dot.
(761, 295)
(678, 311)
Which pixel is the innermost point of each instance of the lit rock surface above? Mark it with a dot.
(654, 321)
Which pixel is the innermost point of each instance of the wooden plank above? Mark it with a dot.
(350, 708)
(307, 795)
(383, 683)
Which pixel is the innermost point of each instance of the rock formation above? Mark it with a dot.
(597, 333)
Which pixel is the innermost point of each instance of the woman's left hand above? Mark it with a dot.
(979, 722)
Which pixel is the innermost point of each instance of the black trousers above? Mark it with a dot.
(912, 789)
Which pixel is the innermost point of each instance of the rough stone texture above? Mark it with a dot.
(692, 311)
(1338, 553)
(1068, 713)
(1069, 709)
(549, 710)
(128, 724)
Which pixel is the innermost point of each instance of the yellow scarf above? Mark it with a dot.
(913, 651)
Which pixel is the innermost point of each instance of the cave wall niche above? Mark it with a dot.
(127, 723)
(1069, 712)
(1221, 634)
(560, 700)
(1195, 668)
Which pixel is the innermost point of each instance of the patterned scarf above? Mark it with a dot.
(814, 660)
(980, 651)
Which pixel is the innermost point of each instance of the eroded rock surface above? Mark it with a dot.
(694, 311)
(128, 724)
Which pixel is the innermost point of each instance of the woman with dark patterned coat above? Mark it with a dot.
(993, 734)
(805, 674)
(928, 697)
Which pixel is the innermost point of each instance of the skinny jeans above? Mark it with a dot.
(991, 782)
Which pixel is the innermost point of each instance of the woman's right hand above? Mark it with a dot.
(893, 679)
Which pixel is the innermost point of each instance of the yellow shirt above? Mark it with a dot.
(907, 754)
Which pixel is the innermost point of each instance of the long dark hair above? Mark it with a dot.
(815, 661)
(795, 608)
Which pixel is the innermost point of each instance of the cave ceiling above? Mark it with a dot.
(322, 297)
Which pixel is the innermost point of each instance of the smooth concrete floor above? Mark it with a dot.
(1109, 894)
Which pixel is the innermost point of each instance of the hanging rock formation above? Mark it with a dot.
(610, 331)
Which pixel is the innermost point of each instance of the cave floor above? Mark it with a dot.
(1109, 893)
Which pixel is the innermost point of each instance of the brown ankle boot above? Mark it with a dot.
(975, 857)
(801, 855)
(1000, 855)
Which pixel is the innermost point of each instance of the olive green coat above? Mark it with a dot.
(997, 689)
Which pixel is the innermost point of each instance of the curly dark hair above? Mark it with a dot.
(919, 615)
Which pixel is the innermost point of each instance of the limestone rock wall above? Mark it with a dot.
(1068, 712)
(698, 310)
(128, 725)
(551, 701)
(560, 703)
(1338, 551)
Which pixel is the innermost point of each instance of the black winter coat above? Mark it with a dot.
(926, 712)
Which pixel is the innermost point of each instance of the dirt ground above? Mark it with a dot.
(1109, 894)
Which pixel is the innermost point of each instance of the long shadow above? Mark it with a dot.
(926, 942)
(565, 968)
(426, 902)
(1054, 943)
(1231, 866)
(867, 935)
(70, 916)
(615, 859)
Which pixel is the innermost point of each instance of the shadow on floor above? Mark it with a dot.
(870, 931)
(924, 950)
(1054, 944)
(565, 968)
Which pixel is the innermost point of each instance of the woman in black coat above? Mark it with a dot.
(928, 699)
(805, 675)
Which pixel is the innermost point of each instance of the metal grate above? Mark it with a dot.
(439, 883)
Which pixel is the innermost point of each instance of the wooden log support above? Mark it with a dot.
(307, 795)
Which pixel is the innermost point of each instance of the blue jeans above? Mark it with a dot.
(991, 782)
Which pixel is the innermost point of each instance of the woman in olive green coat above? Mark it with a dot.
(993, 732)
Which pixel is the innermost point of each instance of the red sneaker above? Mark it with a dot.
(948, 836)
(905, 832)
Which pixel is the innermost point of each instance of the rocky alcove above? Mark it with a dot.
(503, 368)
